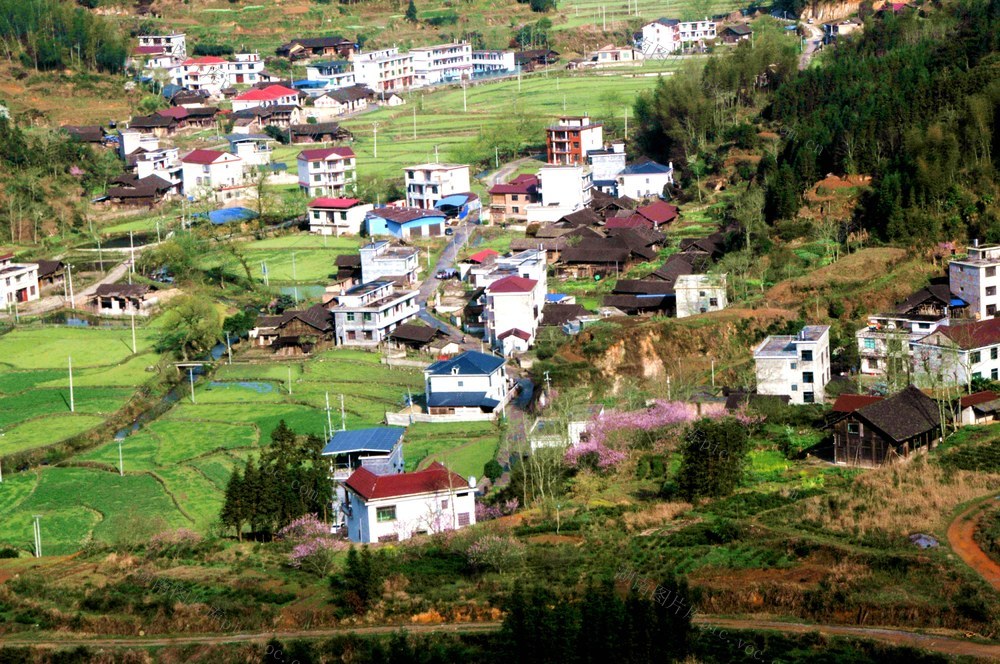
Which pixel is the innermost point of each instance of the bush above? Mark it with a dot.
(496, 552)
(9, 552)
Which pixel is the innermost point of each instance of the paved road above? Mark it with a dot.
(813, 43)
(949, 645)
(431, 283)
(54, 302)
(505, 171)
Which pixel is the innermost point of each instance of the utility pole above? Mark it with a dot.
(69, 278)
(191, 377)
(414, 121)
(135, 348)
(72, 403)
(436, 154)
(343, 415)
(626, 123)
(668, 388)
(229, 349)
(121, 465)
(1, 471)
(713, 372)
(465, 99)
(289, 380)
(131, 262)
(100, 254)
(496, 151)
(375, 140)
(38, 535)
(158, 231)
(329, 419)
(295, 279)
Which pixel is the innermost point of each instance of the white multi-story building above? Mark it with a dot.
(700, 293)
(365, 314)
(493, 63)
(564, 190)
(957, 353)
(254, 149)
(795, 366)
(974, 279)
(210, 172)
(528, 264)
(18, 281)
(472, 383)
(335, 73)
(386, 70)
(382, 260)
(337, 216)
(390, 508)
(512, 313)
(173, 45)
(645, 179)
(164, 163)
(666, 36)
(327, 171)
(426, 184)
(443, 63)
(606, 164)
(213, 74)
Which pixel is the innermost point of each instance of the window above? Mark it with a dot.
(808, 397)
(994, 374)
(795, 388)
(515, 197)
(807, 377)
(794, 365)
(444, 504)
(713, 302)
(991, 272)
(977, 374)
(869, 344)
(385, 513)
(463, 519)
(807, 356)
(991, 290)
(991, 310)
(350, 316)
(461, 383)
(367, 317)
(701, 293)
(854, 428)
(993, 353)
(975, 356)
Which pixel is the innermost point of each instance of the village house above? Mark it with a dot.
(272, 95)
(958, 353)
(562, 433)
(188, 117)
(379, 449)
(472, 385)
(414, 336)
(384, 71)
(390, 508)
(888, 337)
(130, 189)
(569, 140)
(122, 300)
(405, 222)
(426, 184)
(443, 63)
(666, 36)
(339, 102)
(382, 260)
(492, 63)
(254, 149)
(617, 56)
(158, 126)
(18, 281)
(337, 216)
(174, 44)
(334, 74)
(508, 201)
(974, 279)
(979, 408)
(513, 312)
(530, 59)
(563, 190)
(92, 134)
(327, 171)
(643, 297)
(644, 179)
(873, 431)
(210, 172)
(306, 47)
(527, 264)
(700, 293)
(795, 366)
(213, 74)
(734, 34)
(319, 132)
(51, 274)
(366, 314)
(605, 165)
(836, 29)
(164, 163)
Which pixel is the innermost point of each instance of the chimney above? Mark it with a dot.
(975, 242)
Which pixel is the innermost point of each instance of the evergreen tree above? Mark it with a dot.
(234, 508)
(411, 12)
(713, 458)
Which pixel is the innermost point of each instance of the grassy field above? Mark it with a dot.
(176, 467)
(34, 383)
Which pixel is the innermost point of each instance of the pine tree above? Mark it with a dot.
(251, 487)
(411, 12)
(714, 457)
(234, 510)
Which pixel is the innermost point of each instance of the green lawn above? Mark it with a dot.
(52, 347)
(463, 446)
(45, 431)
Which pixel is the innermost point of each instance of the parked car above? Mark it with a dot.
(449, 231)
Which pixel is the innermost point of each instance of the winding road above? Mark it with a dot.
(961, 533)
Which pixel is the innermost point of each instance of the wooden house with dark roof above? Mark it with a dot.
(295, 331)
(882, 431)
(413, 336)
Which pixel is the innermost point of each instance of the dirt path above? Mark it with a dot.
(53, 302)
(943, 644)
(960, 538)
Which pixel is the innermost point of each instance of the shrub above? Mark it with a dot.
(314, 548)
(496, 552)
(174, 543)
(9, 552)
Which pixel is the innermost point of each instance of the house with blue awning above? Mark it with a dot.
(405, 222)
(464, 207)
(470, 384)
(379, 449)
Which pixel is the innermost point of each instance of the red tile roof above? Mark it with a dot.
(978, 398)
(205, 60)
(512, 284)
(973, 335)
(320, 154)
(434, 478)
(269, 93)
(634, 221)
(522, 184)
(336, 203)
(848, 403)
(202, 156)
(483, 256)
(659, 212)
(177, 112)
(520, 334)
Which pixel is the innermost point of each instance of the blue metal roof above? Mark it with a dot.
(957, 302)
(461, 400)
(555, 297)
(469, 363)
(455, 200)
(377, 439)
(229, 215)
(645, 168)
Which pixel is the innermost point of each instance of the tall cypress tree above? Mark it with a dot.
(411, 12)
(234, 509)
